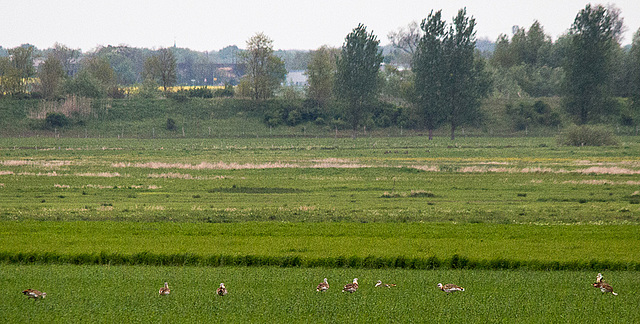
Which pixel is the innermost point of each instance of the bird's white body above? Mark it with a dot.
(449, 288)
(352, 287)
(165, 290)
(323, 286)
(222, 290)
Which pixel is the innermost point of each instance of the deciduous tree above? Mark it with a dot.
(162, 68)
(466, 82)
(588, 64)
(357, 74)
(51, 75)
(321, 74)
(429, 66)
(265, 71)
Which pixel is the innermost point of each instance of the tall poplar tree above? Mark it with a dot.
(357, 74)
(588, 64)
(429, 68)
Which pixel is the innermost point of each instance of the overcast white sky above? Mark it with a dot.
(292, 24)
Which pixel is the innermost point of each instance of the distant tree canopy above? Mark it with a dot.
(588, 65)
(356, 82)
(265, 71)
(16, 69)
(429, 66)
(161, 67)
(449, 79)
(635, 72)
(321, 75)
(51, 75)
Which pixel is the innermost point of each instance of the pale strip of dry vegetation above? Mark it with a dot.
(602, 182)
(46, 163)
(100, 174)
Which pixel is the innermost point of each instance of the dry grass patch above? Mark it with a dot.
(604, 170)
(99, 174)
(44, 164)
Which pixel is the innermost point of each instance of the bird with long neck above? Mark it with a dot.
(222, 290)
(352, 287)
(323, 286)
(165, 290)
(449, 288)
(380, 284)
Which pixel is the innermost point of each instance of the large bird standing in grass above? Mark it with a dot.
(222, 290)
(604, 287)
(449, 288)
(165, 290)
(352, 287)
(323, 286)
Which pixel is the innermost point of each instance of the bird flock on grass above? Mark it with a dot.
(350, 288)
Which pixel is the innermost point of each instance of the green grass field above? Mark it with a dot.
(122, 216)
(267, 295)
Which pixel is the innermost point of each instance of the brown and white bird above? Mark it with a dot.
(165, 290)
(599, 278)
(449, 288)
(352, 287)
(323, 286)
(35, 294)
(222, 290)
(380, 284)
(605, 288)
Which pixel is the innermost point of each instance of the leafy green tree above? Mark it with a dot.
(101, 70)
(68, 57)
(635, 73)
(466, 81)
(51, 75)
(162, 68)
(357, 74)
(321, 74)
(593, 39)
(84, 85)
(19, 69)
(429, 66)
(265, 71)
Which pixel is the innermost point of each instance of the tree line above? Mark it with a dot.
(432, 73)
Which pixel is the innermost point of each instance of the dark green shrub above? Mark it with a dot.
(587, 136)
(227, 92)
(171, 124)
(56, 120)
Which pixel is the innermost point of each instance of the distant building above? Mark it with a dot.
(296, 78)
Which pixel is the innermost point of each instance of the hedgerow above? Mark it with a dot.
(355, 262)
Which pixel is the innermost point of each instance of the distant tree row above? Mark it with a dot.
(435, 75)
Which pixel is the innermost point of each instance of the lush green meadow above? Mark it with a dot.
(378, 245)
(271, 217)
(267, 294)
(491, 180)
